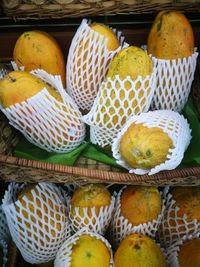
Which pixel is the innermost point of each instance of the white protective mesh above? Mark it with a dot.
(4, 231)
(173, 250)
(173, 82)
(45, 121)
(38, 226)
(120, 226)
(174, 227)
(63, 257)
(4, 247)
(172, 123)
(87, 64)
(116, 102)
(94, 220)
(3, 72)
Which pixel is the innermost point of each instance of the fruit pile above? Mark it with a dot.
(129, 226)
(109, 86)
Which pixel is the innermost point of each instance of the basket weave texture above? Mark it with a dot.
(24, 9)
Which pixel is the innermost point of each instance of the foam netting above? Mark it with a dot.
(63, 257)
(4, 231)
(39, 224)
(3, 72)
(121, 227)
(4, 247)
(87, 64)
(173, 250)
(47, 122)
(174, 227)
(94, 219)
(172, 123)
(116, 102)
(173, 82)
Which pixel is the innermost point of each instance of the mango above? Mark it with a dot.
(144, 148)
(189, 254)
(39, 50)
(139, 251)
(171, 36)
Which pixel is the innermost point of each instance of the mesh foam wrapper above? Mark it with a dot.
(45, 121)
(174, 227)
(4, 247)
(63, 257)
(39, 227)
(110, 110)
(88, 217)
(4, 231)
(173, 82)
(173, 250)
(121, 227)
(86, 73)
(172, 123)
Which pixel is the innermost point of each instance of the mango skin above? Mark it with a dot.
(139, 251)
(131, 61)
(171, 36)
(90, 252)
(140, 204)
(18, 86)
(189, 254)
(39, 50)
(144, 148)
(108, 33)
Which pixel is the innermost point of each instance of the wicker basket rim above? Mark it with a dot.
(105, 176)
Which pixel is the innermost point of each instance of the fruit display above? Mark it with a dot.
(139, 251)
(182, 214)
(91, 206)
(189, 254)
(139, 209)
(141, 136)
(127, 91)
(45, 114)
(39, 50)
(85, 249)
(171, 45)
(91, 52)
(36, 216)
(3, 253)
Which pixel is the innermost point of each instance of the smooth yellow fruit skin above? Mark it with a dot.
(139, 251)
(189, 254)
(131, 61)
(144, 148)
(39, 50)
(140, 204)
(90, 252)
(93, 195)
(107, 32)
(171, 36)
(18, 86)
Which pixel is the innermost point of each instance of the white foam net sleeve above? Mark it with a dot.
(4, 247)
(63, 257)
(94, 219)
(173, 82)
(38, 226)
(121, 227)
(4, 231)
(173, 250)
(174, 227)
(172, 123)
(45, 121)
(116, 102)
(87, 64)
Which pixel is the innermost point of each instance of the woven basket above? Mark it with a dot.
(34, 9)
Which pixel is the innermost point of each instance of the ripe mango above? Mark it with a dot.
(189, 254)
(144, 148)
(39, 50)
(171, 36)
